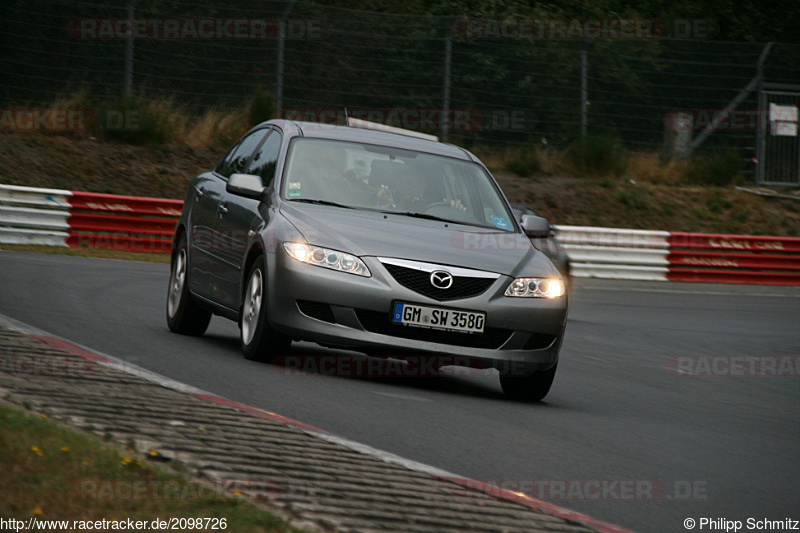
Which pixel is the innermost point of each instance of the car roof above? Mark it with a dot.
(371, 136)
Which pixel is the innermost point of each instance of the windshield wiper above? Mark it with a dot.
(320, 202)
(426, 216)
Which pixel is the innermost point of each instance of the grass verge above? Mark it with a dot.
(51, 473)
(153, 257)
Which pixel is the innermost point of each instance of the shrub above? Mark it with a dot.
(652, 168)
(136, 120)
(524, 162)
(717, 168)
(601, 154)
(716, 203)
(634, 198)
(261, 106)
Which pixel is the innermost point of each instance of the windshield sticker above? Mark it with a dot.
(500, 222)
(295, 189)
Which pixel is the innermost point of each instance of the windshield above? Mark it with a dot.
(364, 176)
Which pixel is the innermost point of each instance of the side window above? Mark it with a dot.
(266, 159)
(237, 158)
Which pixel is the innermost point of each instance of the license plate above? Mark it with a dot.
(438, 318)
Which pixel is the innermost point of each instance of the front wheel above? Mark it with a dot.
(184, 316)
(529, 387)
(259, 341)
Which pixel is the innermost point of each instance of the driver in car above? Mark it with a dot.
(407, 191)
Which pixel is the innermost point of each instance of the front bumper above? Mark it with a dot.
(343, 310)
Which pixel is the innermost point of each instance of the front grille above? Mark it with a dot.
(317, 310)
(420, 281)
(376, 322)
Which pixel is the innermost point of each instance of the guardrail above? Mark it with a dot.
(70, 218)
(615, 253)
(58, 217)
(676, 256)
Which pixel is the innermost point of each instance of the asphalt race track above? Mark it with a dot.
(623, 436)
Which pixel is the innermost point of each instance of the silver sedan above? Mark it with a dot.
(377, 241)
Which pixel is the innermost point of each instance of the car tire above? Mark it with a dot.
(530, 387)
(184, 316)
(259, 341)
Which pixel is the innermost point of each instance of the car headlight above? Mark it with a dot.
(536, 288)
(324, 257)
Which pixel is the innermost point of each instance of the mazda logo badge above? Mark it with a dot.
(441, 279)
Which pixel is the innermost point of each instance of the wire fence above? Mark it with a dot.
(474, 81)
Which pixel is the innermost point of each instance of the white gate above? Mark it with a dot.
(778, 142)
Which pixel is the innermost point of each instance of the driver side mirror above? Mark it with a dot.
(535, 227)
(247, 185)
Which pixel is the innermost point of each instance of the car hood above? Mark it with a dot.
(371, 233)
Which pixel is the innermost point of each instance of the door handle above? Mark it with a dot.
(222, 209)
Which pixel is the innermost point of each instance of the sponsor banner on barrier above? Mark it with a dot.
(734, 243)
(699, 259)
(138, 205)
(749, 277)
(132, 225)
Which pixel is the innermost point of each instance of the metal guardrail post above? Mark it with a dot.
(127, 90)
(281, 51)
(584, 89)
(721, 117)
(448, 53)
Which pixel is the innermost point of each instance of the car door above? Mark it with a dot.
(215, 201)
(200, 235)
(234, 217)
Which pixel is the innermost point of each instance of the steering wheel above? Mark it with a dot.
(434, 205)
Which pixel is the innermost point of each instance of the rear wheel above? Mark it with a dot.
(530, 387)
(259, 341)
(184, 316)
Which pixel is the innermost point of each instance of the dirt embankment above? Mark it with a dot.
(163, 171)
